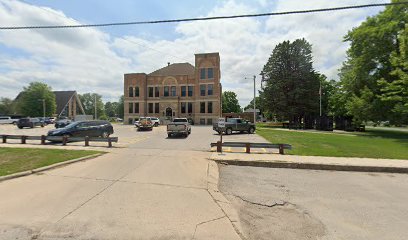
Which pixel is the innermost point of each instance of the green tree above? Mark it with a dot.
(6, 106)
(292, 87)
(111, 109)
(396, 92)
(88, 102)
(30, 102)
(373, 74)
(230, 103)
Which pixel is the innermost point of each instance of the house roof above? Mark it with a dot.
(175, 69)
(62, 98)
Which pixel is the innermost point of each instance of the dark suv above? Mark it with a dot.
(29, 122)
(83, 129)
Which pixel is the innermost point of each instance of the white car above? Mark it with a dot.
(7, 120)
(156, 121)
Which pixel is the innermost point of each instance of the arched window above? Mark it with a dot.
(130, 91)
(136, 91)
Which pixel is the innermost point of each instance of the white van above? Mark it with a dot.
(7, 120)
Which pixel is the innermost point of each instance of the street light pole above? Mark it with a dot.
(95, 108)
(254, 102)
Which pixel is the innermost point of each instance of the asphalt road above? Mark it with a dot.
(309, 204)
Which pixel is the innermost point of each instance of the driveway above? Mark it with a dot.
(151, 187)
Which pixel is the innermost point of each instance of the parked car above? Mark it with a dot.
(156, 121)
(144, 123)
(179, 126)
(7, 120)
(29, 122)
(62, 123)
(43, 120)
(83, 129)
(235, 124)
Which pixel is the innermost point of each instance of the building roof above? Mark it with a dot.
(62, 98)
(175, 69)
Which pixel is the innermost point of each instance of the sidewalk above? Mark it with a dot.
(312, 162)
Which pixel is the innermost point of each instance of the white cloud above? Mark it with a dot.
(90, 60)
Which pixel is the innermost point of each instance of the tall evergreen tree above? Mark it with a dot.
(292, 88)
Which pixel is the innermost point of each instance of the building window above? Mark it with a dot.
(202, 121)
(166, 91)
(210, 88)
(150, 107)
(183, 91)
(157, 92)
(183, 107)
(130, 91)
(190, 91)
(130, 107)
(202, 73)
(209, 121)
(150, 91)
(156, 108)
(137, 107)
(190, 107)
(137, 92)
(202, 90)
(209, 107)
(202, 107)
(173, 91)
(210, 73)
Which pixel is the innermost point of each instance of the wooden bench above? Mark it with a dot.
(248, 146)
(62, 139)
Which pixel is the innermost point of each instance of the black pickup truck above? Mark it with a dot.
(235, 124)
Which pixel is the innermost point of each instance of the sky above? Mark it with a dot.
(95, 59)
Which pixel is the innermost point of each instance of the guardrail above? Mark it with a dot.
(63, 139)
(248, 146)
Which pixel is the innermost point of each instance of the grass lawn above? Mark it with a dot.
(374, 143)
(13, 160)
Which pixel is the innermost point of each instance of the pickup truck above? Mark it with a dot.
(235, 124)
(144, 123)
(179, 126)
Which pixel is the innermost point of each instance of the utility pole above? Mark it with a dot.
(254, 101)
(43, 100)
(43, 105)
(320, 93)
(95, 107)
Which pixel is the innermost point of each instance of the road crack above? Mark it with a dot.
(276, 204)
(201, 223)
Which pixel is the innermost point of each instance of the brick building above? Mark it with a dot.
(177, 90)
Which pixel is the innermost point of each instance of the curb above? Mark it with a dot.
(41, 169)
(220, 200)
(311, 166)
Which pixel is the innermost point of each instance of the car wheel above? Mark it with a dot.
(228, 131)
(42, 125)
(32, 125)
(20, 127)
(251, 130)
(169, 135)
(156, 124)
(105, 134)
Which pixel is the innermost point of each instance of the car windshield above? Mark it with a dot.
(180, 120)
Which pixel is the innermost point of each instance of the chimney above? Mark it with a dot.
(168, 63)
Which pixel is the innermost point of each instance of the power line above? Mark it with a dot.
(205, 18)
